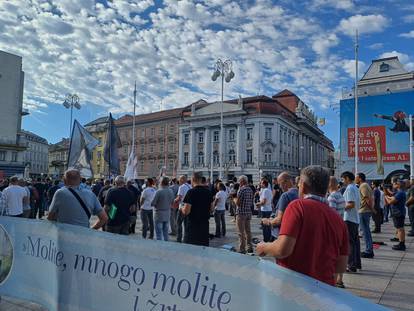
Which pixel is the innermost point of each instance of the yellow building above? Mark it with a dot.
(98, 129)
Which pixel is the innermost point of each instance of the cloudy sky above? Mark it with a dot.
(97, 49)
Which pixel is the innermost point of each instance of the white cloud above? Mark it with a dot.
(376, 46)
(337, 4)
(408, 34)
(349, 67)
(409, 18)
(322, 44)
(363, 23)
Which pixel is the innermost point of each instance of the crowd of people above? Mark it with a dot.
(303, 218)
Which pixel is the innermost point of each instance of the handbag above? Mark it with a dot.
(87, 212)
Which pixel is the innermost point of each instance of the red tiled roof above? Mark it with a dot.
(150, 117)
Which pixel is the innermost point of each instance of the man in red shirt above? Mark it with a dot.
(313, 238)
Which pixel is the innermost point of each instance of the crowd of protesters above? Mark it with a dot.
(309, 217)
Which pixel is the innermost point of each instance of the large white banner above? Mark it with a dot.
(66, 268)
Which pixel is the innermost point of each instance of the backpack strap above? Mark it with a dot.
(87, 212)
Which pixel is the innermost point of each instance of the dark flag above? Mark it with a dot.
(81, 146)
(111, 147)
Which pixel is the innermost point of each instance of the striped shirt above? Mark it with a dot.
(337, 201)
(245, 195)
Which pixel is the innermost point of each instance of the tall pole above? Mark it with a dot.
(356, 132)
(411, 148)
(133, 118)
(311, 154)
(71, 116)
(222, 129)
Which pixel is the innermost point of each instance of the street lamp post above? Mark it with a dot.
(223, 69)
(71, 100)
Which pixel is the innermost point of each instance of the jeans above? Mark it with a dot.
(220, 223)
(161, 230)
(173, 220)
(122, 229)
(37, 208)
(181, 221)
(147, 223)
(366, 231)
(354, 259)
(267, 230)
(411, 216)
(386, 212)
(245, 235)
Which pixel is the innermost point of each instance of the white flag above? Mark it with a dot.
(132, 167)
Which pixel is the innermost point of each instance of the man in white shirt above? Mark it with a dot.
(14, 198)
(265, 205)
(181, 220)
(147, 217)
(220, 209)
(26, 207)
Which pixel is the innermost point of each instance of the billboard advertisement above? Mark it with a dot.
(383, 138)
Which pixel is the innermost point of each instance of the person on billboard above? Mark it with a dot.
(399, 121)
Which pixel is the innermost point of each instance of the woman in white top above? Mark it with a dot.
(220, 209)
(147, 218)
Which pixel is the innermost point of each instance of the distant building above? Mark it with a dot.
(11, 105)
(98, 130)
(58, 157)
(263, 136)
(385, 100)
(36, 154)
(156, 142)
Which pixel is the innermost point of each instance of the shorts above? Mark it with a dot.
(398, 222)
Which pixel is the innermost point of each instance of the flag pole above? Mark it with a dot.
(110, 147)
(133, 120)
(356, 132)
(411, 148)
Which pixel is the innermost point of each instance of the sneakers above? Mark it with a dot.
(399, 247)
(340, 284)
(394, 240)
(367, 255)
(351, 269)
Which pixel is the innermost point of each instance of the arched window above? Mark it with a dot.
(268, 155)
(216, 158)
(232, 156)
(200, 157)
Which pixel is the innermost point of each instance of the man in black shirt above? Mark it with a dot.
(197, 208)
(38, 206)
(51, 191)
(104, 191)
(136, 195)
(119, 204)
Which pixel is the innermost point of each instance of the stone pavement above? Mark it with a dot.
(388, 279)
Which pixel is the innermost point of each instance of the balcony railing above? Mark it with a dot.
(272, 164)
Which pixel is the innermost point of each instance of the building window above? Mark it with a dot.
(200, 157)
(100, 141)
(162, 147)
(14, 156)
(142, 148)
(142, 165)
(171, 147)
(232, 156)
(185, 158)
(216, 136)
(126, 149)
(268, 155)
(200, 137)
(216, 158)
(249, 133)
(151, 148)
(268, 133)
(172, 129)
(249, 156)
(232, 135)
(152, 131)
(171, 164)
(98, 155)
(186, 138)
(2, 155)
(162, 130)
(143, 133)
(384, 67)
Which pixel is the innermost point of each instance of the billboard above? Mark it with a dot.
(383, 137)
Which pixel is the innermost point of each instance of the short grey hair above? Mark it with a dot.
(243, 177)
(316, 179)
(120, 180)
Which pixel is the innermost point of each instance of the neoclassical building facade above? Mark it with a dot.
(262, 136)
